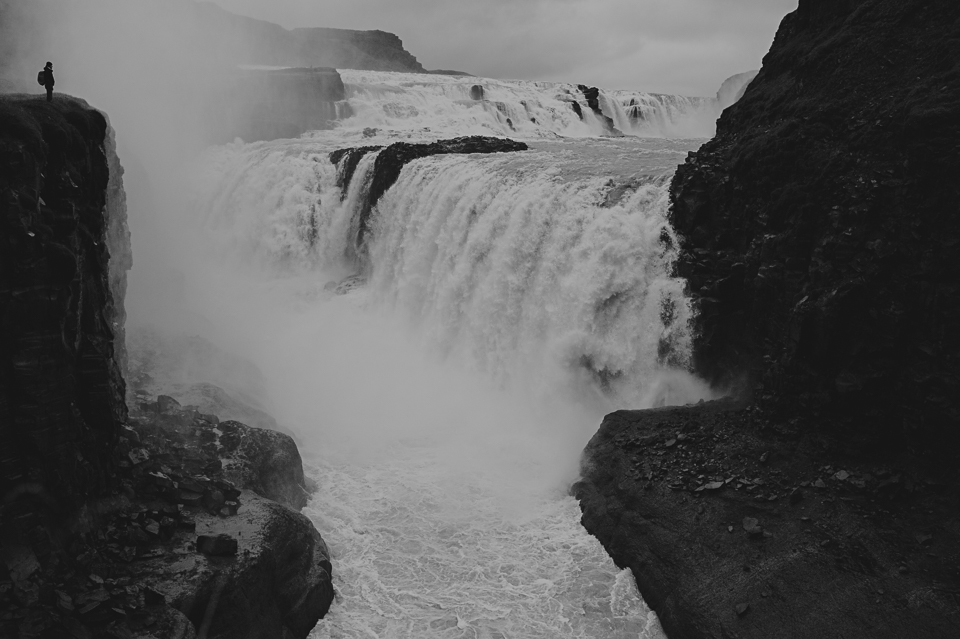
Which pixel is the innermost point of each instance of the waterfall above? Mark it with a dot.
(503, 263)
(444, 372)
(402, 104)
(529, 278)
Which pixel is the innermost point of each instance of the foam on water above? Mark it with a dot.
(422, 553)
(510, 301)
(404, 104)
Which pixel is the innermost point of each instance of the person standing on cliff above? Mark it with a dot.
(48, 80)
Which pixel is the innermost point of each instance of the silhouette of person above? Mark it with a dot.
(48, 80)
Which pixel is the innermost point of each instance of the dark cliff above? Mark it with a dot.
(260, 42)
(63, 260)
(163, 522)
(820, 230)
(819, 235)
(283, 103)
(735, 531)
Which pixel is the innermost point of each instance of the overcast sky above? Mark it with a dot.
(668, 46)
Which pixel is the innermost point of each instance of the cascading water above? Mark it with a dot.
(510, 300)
(437, 104)
(444, 369)
(528, 278)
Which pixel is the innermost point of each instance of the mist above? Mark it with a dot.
(330, 368)
(228, 287)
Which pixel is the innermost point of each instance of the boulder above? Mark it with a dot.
(259, 574)
(592, 94)
(746, 559)
(264, 461)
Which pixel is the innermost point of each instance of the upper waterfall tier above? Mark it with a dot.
(552, 264)
(421, 105)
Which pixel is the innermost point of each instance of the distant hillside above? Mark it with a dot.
(170, 34)
(259, 42)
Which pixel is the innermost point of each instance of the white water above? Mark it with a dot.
(404, 104)
(508, 302)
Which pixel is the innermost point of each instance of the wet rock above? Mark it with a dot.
(592, 94)
(741, 609)
(346, 161)
(828, 548)
(267, 462)
(393, 158)
(476, 92)
(167, 405)
(813, 237)
(220, 545)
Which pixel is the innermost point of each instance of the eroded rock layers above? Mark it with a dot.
(820, 228)
(820, 238)
(61, 384)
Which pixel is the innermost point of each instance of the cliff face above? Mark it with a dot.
(820, 231)
(64, 252)
(260, 42)
(283, 103)
(348, 49)
(114, 524)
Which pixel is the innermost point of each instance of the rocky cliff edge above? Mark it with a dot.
(164, 522)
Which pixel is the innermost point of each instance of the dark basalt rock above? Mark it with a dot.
(392, 159)
(738, 527)
(220, 545)
(476, 92)
(819, 235)
(592, 94)
(820, 228)
(61, 314)
(264, 461)
(263, 569)
(189, 543)
(576, 109)
(346, 161)
(101, 510)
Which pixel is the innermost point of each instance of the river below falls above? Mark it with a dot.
(422, 552)
(508, 303)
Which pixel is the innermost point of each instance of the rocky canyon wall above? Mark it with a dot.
(64, 253)
(113, 524)
(820, 229)
(820, 239)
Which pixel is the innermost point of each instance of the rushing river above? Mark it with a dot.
(443, 377)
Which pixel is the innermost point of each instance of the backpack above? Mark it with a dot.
(42, 78)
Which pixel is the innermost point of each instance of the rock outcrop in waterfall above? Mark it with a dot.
(391, 160)
(820, 239)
